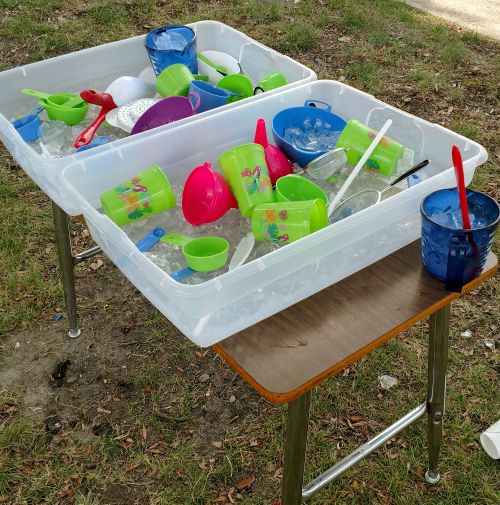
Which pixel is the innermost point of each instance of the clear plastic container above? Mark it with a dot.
(209, 312)
(99, 66)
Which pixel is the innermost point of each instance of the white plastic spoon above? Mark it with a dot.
(242, 252)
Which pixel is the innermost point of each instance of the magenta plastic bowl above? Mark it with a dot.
(206, 196)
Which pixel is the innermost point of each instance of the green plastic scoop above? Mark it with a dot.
(220, 68)
(65, 100)
(203, 254)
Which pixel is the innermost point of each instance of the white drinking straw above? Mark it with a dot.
(333, 205)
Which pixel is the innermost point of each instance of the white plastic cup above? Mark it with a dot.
(490, 440)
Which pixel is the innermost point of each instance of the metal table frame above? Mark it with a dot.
(293, 492)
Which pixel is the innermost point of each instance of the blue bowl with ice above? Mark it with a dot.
(305, 133)
(449, 252)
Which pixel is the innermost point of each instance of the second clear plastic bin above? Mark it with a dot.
(211, 311)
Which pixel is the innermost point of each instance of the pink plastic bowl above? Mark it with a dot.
(206, 196)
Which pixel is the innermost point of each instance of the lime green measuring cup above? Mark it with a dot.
(204, 254)
(67, 107)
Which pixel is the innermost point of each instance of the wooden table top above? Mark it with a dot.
(289, 353)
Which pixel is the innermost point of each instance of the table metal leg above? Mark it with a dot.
(439, 328)
(66, 263)
(295, 449)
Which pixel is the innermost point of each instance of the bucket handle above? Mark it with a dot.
(311, 103)
(197, 100)
(455, 266)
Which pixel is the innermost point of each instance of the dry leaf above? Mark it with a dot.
(144, 433)
(246, 482)
(103, 411)
(278, 474)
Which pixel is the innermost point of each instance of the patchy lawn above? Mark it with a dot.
(132, 412)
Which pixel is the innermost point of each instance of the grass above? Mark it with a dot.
(381, 46)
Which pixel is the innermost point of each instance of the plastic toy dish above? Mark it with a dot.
(216, 65)
(66, 107)
(326, 165)
(298, 117)
(206, 196)
(127, 88)
(164, 112)
(294, 188)
(204, 254)
(27, 126)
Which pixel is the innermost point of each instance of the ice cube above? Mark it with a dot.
(170, 40)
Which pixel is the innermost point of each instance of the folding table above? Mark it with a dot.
(285, 356)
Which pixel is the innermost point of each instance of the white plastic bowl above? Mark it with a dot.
(219, 58)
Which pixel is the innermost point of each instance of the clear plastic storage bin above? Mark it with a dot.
(209, 312)
(99, 66)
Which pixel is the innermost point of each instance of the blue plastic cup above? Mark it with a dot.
(450, 253)
(210, 96)
(172, 44)
(28, 125)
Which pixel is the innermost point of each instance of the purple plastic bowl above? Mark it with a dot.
(164, 112)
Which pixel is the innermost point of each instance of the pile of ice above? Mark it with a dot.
(232, 226)
(312, 135)
(56, 138)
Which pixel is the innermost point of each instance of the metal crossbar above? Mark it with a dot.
(361, 452)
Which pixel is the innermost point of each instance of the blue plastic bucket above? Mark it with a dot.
(183, 50)
(450, 253)
(296, 117)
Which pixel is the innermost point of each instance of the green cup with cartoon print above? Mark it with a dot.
(284, 222)
(357, 137)
(245, 169)
(143, 195)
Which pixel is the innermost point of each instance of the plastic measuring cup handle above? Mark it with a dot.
(34, 92)
(197, 100)
(150, 240)
(87, 135)
(455, 267)
(182, 274)
(176, 239)
(310, 103)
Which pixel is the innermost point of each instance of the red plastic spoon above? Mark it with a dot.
(105, 100)
(459, 175)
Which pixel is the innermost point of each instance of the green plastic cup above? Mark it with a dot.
(204, 254)
(246, 171)
(141, 196)
(269, 82)
(357, 137)
(238, 84)
(174, 80)
(294, 188)
(285, 222)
